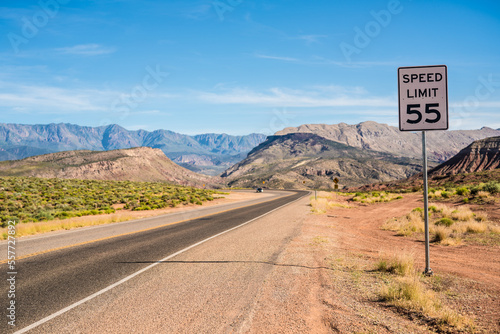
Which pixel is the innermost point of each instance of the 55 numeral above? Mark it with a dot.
(412, 109)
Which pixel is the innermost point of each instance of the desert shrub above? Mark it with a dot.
(463, 191)
(445, 194)
(44, 215)
(402, 264)
(441, 233)
(445, 222)
(492, 187)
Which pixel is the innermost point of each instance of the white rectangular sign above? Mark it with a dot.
(423, 98)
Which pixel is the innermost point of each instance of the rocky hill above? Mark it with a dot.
(480, 155)
(441, 145)
(207, 153)
(299, 160)
(135, 164)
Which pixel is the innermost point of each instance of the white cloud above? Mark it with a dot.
(38, 99)
(328, 96)
(276, 57)
(316, 60)
(86, 50)
(53, 100)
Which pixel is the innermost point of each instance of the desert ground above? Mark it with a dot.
(346, 243)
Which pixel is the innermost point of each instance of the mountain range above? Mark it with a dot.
(310, 155)
(206, 153)
(441, 145)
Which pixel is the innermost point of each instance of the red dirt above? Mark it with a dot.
(358, 230)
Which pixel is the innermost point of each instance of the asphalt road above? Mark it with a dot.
(49, 282)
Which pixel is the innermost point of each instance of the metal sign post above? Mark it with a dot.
(428, 270)
(423, 105)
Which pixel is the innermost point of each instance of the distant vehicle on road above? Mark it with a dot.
(260, 190)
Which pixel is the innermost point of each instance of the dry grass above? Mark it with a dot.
(406, 225)
(435, 194)
(375, 197)
(407, 290)
(445, 210)
(476, 227)
(447, 225)
(483, 194)
(462, 214)
(481, 217)
(57, 225)
(325, 202)
(441, 233)
(402, 263)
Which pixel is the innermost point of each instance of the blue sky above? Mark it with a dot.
(241, 66)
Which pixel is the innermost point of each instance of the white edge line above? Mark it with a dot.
(100, 292)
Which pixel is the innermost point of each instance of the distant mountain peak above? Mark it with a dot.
(441, 145)
(219, 151)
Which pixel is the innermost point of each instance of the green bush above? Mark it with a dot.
(445, 194)
(445, 222)
(44, 215)
(492, 187)
(463, 191)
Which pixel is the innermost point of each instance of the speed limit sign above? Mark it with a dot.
(423, 98)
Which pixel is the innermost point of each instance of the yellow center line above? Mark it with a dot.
(129, 233)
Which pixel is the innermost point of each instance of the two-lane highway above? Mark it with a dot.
(48, 283)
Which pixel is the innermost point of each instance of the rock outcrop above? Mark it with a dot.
(480, 155)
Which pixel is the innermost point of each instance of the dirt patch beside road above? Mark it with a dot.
(333, 286)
